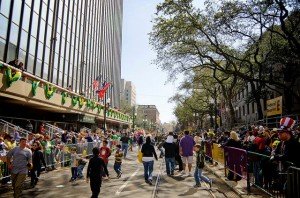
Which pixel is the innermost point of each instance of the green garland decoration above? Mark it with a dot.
(12, 78)
(63, 97)
(74, 100)
(88, 103)
(99, 107)
(34, 86)
(81, 102)
(49, 91)
(1, 65)
(94, 105)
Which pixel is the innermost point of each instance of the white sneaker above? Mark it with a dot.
(190, 174)
(182, 173)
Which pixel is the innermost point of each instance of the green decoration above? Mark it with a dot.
(63, 97)
(99, 107)
(49, 91)
(88, 103)
(74, 100)
(1, 65)
(10, 78)
(35, 85)
(94, 105)
(81, 102)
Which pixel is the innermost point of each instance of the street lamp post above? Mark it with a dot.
(106, 105)
(133, 118)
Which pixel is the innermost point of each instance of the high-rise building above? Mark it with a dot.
(128, 92)
(66, 42)
(66, 46)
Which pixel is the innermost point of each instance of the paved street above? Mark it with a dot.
(56, 184)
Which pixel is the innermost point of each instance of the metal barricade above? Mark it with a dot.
(11, 129)
(51, 129)
(293, 182)
(236, 162)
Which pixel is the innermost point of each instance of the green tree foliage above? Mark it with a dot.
(229, 37)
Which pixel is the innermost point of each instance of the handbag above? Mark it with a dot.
(140, 157)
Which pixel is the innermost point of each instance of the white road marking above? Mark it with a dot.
(127, 182)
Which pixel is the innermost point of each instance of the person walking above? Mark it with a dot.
(170, 148)
(118, 161)
(177, 155)
(125, 142)
(94, 172)
(148, 160)
(37, 159)
(22, 161)
(186, 151)
(200, 160)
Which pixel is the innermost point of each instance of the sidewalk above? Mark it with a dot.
(239, 187)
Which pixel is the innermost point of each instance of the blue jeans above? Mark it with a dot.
(124, 149)
(148, 169)
(117, 167)
(79, 171)
(170, 165)
(198, 175)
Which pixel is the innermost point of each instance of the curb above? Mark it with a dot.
(220, 177)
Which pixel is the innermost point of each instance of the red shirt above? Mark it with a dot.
(104, 153)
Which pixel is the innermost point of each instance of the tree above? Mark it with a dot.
(227, 38)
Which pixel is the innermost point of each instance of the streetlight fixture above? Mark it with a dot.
(144, 121)
(133, 117)
(106, 106)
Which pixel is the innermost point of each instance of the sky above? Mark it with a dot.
(137, 58)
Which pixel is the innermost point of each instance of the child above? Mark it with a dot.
(118, 161)
(80, 167)
(105, 152)
(74, 163)
(200, 158)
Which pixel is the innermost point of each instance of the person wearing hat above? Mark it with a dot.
(170, 147)
(288, 148)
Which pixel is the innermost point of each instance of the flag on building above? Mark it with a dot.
(95, 84)
(104, 88)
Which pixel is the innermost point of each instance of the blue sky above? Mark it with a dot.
(137, 57)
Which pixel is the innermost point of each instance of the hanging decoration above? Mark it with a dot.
(99, 107)
(63, 97)
(49, 91)
(88, 103)
(81, 102)
(94, 105)
(34, 86)
(1, 65)
(10, 77)
(74, 100)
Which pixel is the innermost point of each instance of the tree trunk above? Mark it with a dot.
(257, 101)
(232, 118)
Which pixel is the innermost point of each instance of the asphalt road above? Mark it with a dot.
(55, 184)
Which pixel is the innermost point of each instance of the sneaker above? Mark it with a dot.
(119, 174)
(210, 183)
(150, 182)
(182, 172)
(190, 174)
(197, 185)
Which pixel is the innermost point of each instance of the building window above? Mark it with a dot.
(3, 26)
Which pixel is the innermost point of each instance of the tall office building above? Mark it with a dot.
(128, 92)
(66, 42)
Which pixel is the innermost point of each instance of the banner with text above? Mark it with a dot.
(274, 106)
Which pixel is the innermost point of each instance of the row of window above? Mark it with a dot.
(83, 38)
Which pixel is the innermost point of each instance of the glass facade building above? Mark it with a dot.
(66, 42)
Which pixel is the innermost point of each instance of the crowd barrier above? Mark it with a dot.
(257, 169)
(57, 156)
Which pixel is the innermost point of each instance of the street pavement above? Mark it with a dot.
(131, 184)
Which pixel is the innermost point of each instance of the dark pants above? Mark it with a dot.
(179, 161)
(34, 174)
(74, 172)
(95, 187)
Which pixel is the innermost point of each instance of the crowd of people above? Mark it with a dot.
(274, 149)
